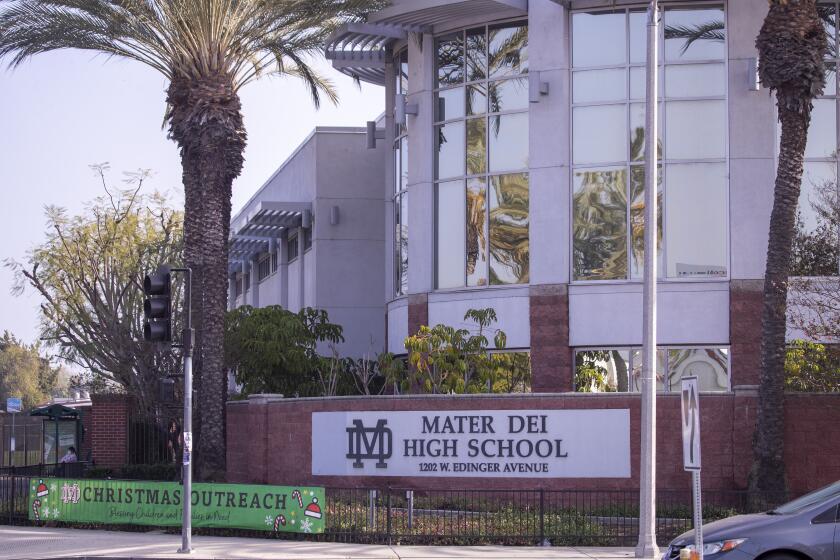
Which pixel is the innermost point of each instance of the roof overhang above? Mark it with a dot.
(262, 227)
(361, 50)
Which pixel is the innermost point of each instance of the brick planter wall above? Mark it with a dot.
(109, 429)
(269, 439)
(552, 364)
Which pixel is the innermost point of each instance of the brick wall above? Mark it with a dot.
(745, 301)
(551, 358)
(269, 440)
(418, 312)
(109, 429)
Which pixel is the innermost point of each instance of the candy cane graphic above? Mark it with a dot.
(36, 509)
(279, 521)
(296, 496)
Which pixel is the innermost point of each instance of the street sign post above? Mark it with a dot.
(690, 404)
(13, 406)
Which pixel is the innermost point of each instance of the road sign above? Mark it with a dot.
(690, 423)
(14, 404)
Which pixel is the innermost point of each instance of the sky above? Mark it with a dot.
(63, 111)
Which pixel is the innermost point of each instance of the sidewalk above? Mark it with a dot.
(22, 543)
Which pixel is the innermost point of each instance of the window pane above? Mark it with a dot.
(476, 54)
(450, 60)
(403, 163)
(450, 104)
(509, 95)
(600, 224)
(476, 146)
(822, 134)
(602, 371)
(600, 134)
(830, 78)
(637, 222)
(509, 142)
(508, 50)
(638, 37)
(599, 85)
(598, 39)
(695, 129)
(404, 243)
(695, 80)
(636, 370)
(477, 99)
(402, 79)
(476, 219)
(829, 19)
(638, 85)
(696, 34)
(509, 249)
(816, 250)
(450, 234)
(709, 365)
(450, 157)
(397, 172)
(638, 111)
(696, 209)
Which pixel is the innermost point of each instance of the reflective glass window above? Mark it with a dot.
(476, 220)
(599, 134)
(599, 39)
(476, 146)
(508, 142)
(599, 210)
(450, 157)
(709, 365)
(508, 50)
(509, 221)
(450, 239)
(450, 60)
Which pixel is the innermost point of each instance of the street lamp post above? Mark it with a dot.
(188, 340)
(646, 547)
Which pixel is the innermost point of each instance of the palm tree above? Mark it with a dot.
(207, 50)
(791, 46)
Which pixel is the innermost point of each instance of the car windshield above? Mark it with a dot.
(808, 500)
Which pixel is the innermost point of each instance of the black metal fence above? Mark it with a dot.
(155, 438)
(512, 517)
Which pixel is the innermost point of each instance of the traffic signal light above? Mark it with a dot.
(157, 306)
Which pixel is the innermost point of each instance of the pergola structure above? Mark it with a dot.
(263, 227)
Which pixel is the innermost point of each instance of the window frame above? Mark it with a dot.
(664, 347)
(398, 191)
(487, 175)
(264, 270)
(292, 247)
(629, 164)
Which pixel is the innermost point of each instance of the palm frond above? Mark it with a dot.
(710, 31)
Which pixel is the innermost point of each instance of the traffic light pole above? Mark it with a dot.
(186, 517)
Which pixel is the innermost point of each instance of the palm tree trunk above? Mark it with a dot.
(767, 477)
(206, 121)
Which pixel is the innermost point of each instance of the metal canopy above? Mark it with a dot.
(56, 412)
(264, 224)
(360, 50)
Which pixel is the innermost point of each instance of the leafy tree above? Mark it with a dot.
(812, 367)
(24, 373)
(207, 50)
(273, 350)
(90, 271)
(791, 45)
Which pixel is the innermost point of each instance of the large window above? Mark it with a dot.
(264, 267)
(816, 250)
(401, 183)
(482, 211)
(292, 247)
(607, 370)
(608, 144)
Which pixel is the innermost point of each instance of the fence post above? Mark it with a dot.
(409, 494)
(388, 518)
(372, 509)
(543, 540)
(12, 501)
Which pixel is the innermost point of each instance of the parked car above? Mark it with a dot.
(803, 529)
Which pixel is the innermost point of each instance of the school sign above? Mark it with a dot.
(269, 508)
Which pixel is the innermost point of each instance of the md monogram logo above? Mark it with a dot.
(369, 443)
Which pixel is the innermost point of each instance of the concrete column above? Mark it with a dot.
(301, 269)
(254, 300)
(421, 151)
(283, 271)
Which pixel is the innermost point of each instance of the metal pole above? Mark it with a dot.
(698, 514)
(186, 517)
(646, 547)
(12, 442)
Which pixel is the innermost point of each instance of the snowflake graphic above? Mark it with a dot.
(53, 487)
(293, 521)
(306, 526)
(269, 520)
(55, 513)
(311, 493)
(46, 512)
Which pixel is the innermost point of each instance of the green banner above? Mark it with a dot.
(270, 508)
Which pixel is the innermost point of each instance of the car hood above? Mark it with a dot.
(731, 527)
